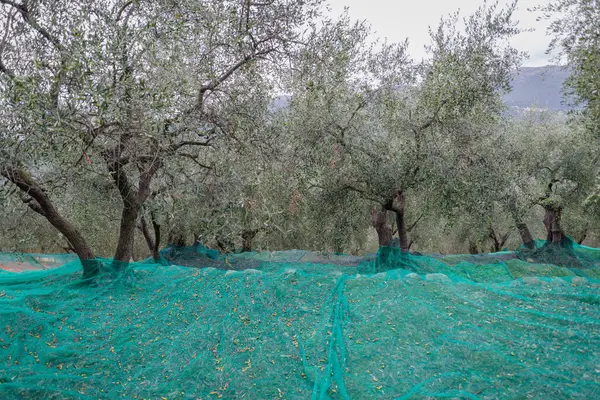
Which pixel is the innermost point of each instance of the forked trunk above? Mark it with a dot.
(498, 240)
(133, 199)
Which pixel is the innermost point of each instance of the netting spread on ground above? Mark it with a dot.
(300, 325)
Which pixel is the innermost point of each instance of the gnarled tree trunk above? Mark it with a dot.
(522, 227)
(152, 242)
(525, 234)
(129, 216)
(380, 223)
(402, 232)
(36, 198)
(396, 204)
(133, 199)
(552, 217)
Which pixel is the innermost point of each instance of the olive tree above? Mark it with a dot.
(380, 125)
(120, 87)
(575, 36)
(555, 167)
(529, 165)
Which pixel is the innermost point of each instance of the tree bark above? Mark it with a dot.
(552, 217)
(247, 237)
(498, 241)
(473, 247)
(402, 232)
(133, 199)
(152, 242)
(177, 237)
(156, 248)
(36, 198)
(526, 236)
(146, 233)
(396, 204)
(522, 227)
(380, 223)
(129, 216)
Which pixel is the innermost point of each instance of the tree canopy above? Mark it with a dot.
(130, 125)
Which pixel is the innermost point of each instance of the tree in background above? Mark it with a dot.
(575, 34)
(218, 122)
(380, 125)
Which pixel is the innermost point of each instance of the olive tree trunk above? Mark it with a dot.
(152, 242)
(473, 247)
(498, 240)
(380, 223)
(522, 227)
(36, 199)
(396, 204)
(402, 232)
(133, 199)
(552, 219)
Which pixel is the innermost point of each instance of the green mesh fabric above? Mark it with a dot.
(302, 325)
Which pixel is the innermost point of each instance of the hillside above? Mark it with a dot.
(539, 87)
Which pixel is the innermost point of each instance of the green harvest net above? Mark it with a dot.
(303, 325)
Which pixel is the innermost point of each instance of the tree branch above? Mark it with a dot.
(212, 85)
(24, 11)
(194, 159)
(176, 146)
(412, 226)
(122, 9)
(32, 204)
(115, 165)
(94, 133)
(434, 117)
(38, 200)
(3, 68)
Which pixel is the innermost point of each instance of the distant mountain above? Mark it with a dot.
(539, 87)
(532, 88)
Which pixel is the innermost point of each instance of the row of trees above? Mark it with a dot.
(250, 124)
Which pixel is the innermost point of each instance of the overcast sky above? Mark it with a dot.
(400, 19)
